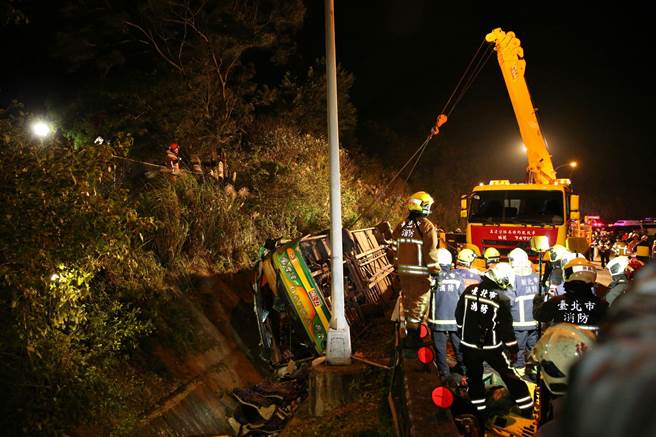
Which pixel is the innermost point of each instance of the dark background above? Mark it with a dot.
(587, 70)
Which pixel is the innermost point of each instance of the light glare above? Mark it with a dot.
(41, 129)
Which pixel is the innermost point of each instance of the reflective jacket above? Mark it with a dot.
(483, 316)
(579, 305)
(469, 275)
(444, 300)
(416, 243)
(526, 287)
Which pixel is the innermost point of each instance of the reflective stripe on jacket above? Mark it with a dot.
(444, 300)
(526, 287)
(483, 316)
(416, 247)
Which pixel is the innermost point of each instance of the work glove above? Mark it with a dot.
(512, 353)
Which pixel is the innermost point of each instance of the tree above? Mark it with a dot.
(73, 276)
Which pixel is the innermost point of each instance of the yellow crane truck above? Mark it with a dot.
(506, 215)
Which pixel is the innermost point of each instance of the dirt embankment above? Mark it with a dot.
(221, 356)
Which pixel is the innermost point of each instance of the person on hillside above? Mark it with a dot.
(416, 244)
(173, 157)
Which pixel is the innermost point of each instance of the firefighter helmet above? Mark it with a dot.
(466, 257)
(173, 147)
(567, 257)
(579, 269)
(503, 275)
(420, 202)
(492, 255)
(518, 258)
(444, 257)
(556, 252)
(618, 265)
(559, 347)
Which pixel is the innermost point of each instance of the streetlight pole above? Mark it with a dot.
(338, 347)
(571, 164)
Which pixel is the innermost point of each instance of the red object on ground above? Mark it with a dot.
(442, 397)
(425, 354)
(423, 331)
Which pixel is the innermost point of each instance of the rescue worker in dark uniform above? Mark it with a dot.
(441, 317)
(416, 244)
(579, 305)
(483, 315)
(620, 282)
(526, 287)
(604, 247)
(553, 273)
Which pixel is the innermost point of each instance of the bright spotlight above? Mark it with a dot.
(41, 129)
(573, 164)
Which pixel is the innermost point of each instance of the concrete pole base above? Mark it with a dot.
(338, 346)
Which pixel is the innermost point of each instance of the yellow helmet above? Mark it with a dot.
(474, 248)
(580, 269)
(466, 257)
(420, 202)
(492, 255)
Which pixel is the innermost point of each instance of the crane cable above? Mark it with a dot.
(479, 60)
(461, 91)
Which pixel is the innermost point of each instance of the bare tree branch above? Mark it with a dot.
(156, 46)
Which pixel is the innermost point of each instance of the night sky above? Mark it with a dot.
(586, 69)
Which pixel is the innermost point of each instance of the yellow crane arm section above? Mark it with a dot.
(511, 60)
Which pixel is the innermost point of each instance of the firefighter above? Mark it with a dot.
(526, 287)
(559, 348)
(416, 262)
(620, 282)
(553, 273)
(614, 380)
(444, 300)
(483, 316)
(604, 247)
(173, 157)
(579, 305)
(492, 257)
(464, 267)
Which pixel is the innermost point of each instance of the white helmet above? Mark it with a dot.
(502, 274)
(518, 258)
(559, 347)
(618, 265)
(444, 257)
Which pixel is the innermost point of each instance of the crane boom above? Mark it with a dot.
(511, 60)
